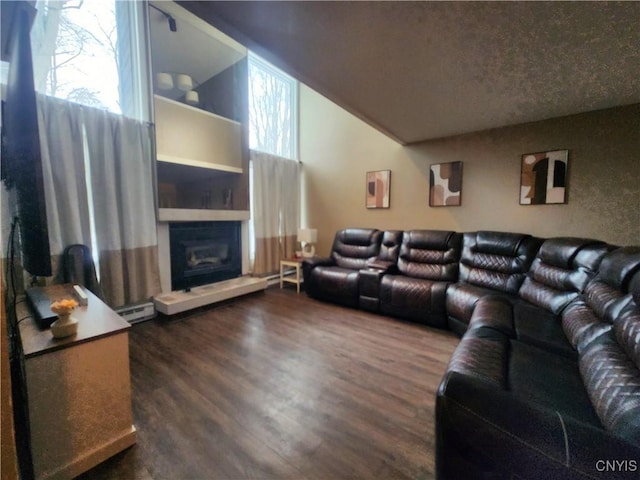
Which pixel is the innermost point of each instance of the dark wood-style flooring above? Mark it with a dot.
(277, 385)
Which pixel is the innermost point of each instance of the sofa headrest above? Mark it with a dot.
(390, 247)
(358, 236)
(353, 247)
(497, 260)
(500, 243)
(430, 239)
(430, 254)
(618, 272)
(619, 267)
(561, 271)
(569, 253)
(391, 238)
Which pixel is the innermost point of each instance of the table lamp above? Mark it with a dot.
(307, 238)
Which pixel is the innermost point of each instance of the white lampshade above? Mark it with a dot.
(164, 81)
(192, 97)
(307, 235)
(184, 82)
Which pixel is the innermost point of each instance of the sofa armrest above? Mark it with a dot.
(369, 288)
(308, 264)
(318, 261)
(495, 312)
(520, 438)
(382, 265)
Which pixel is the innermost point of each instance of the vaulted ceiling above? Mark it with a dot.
(423, 70)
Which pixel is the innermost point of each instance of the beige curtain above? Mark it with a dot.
(122, 191)
(98, 176)
(275, 210)
(63, 173)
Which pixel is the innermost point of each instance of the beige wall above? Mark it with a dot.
(604, 175)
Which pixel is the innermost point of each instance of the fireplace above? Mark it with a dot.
(204, 252)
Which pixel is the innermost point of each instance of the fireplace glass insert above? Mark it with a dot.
(204, 252)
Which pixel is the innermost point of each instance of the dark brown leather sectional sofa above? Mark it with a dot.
(545, 382)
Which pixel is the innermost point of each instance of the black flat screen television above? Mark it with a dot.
(21, 160)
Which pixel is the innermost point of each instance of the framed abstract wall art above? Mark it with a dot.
(445, 184)
(543, 178)
(378, 188)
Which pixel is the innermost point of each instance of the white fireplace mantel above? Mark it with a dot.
(170, 215)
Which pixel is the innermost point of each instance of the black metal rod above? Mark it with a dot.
(172, 21)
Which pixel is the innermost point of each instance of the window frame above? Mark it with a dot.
(261, 63)
(132, 86)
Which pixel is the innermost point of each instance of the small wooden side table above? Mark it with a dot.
(297, 277)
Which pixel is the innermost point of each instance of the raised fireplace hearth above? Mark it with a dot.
(191, 248)
(204, 253)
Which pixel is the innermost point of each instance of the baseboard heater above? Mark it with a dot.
(137, 313)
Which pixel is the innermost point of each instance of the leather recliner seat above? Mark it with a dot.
(515, 406)
(335, 279)
(491, 263)
(427, 264)
(560, 271)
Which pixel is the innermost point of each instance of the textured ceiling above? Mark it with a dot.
(423, 70)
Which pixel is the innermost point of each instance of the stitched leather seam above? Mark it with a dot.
(518, 439)
(566, 439)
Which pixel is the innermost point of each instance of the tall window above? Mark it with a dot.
(90, 67)
(86, 51)
(273, 110)
(273, 178)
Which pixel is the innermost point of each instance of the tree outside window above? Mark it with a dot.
(91, 52)
(272, 109)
